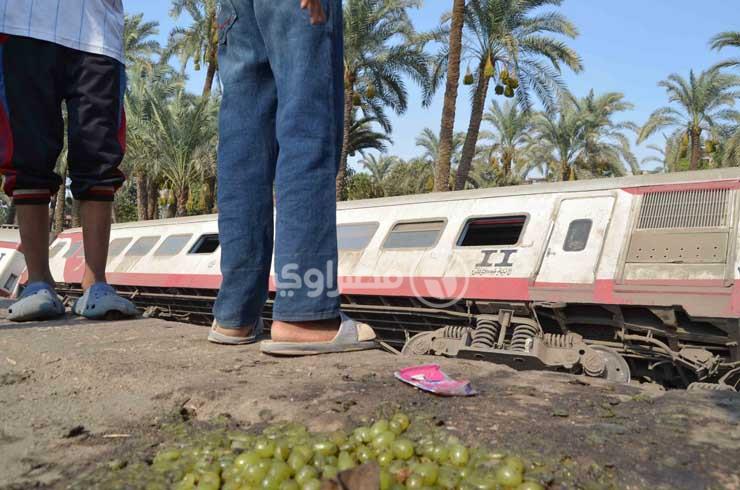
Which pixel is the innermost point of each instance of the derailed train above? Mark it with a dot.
(635, 277)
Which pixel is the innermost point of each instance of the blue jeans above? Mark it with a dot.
(280, 126)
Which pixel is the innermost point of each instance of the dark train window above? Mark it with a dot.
(172, 245)
(207, 244)
(142, 246)
(577, 236)
(355, 236)
(116, 246)
(11, 282)
(497, 230)
(423, 234)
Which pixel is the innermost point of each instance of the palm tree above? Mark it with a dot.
(380, 45)
(511, 127)
(199, 41)
(698, 105)
(184, 129)
(379, 168)
(363, 137)
(511, 41)
(446, 132)
(724, 40)
(138, 47)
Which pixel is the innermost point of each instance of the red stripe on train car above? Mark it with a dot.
(11, 245)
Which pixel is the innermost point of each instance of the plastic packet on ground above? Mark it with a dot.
(431, 378)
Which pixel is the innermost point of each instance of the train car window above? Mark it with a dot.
(355, 236)
(414, 235)
(73, 249)
(142, 246)
(206, 244)
(172, 245)
(496, 230)
(577, 236)
(56, 249)
(116, 246)
(10, 283)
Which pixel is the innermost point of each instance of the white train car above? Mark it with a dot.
(12, 263)
(614, 277)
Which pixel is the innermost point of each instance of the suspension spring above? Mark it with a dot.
(697, 386)
(485, 334)
(521, 339)
(455, 332)
(564, 341)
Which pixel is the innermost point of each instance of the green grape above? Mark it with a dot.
(231, 485)
(314, 484)
(296, 461)
(265, 448)
(254, 473)
(401, 419)
(515, 464)
(304, 451)
(448, 478)
(364, 454)
(414, 481)
(167, 456)
(248, 458)
(403, 449)
(306, 473)
(329, 472)
(508, 476)
(530, 485)
(395, 427)
(428, 471)
(280, 470)
(362, 434)
(289, 485)
(345, 461)
(338, 437)
(379, 427)
(187, 482)
(482, 482)
(385, 458)
(384, 440)
(325, 448)
(440, 454)
(459, 455)
(385, 480)
(282, 450)
(270, 483)
(209, 481)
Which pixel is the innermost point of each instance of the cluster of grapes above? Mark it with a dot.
(288, 457)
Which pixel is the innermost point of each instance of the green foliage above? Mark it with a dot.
(124, 205)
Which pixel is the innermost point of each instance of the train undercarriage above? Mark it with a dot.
(618, 343)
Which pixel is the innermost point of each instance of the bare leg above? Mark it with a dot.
(96, 220)
(322, 331)
(33, 220)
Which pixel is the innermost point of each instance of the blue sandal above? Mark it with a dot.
(101, 300)
(38, 302)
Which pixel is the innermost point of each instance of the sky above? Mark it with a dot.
(627, 46)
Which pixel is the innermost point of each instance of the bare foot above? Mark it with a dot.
(234, 332)
(319, 331)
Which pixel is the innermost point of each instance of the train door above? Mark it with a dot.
(576, 241)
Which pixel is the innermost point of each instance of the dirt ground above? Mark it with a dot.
(74, 394)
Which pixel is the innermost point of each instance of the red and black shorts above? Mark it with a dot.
(35, 78)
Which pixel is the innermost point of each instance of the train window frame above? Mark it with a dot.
(188, 237)
(73, 249)
(376, 225)
(147, 251)
(568, 235)
(200, 241)
(127, 241)
(56, 248)
(11, 282)
(468, 220)
(387, 237)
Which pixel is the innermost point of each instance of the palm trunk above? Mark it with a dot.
(210, 75)
(695, 135)
(342, 172)
(182, 202)
(210, 198)
(564, 171)
(211, 57)
(152, 200)
(446, 132)
(471, 139)
(61, 201)
(506, 160)
(75, 214)
(142, 196)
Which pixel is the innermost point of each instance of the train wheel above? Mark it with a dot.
(617, 368)
(419, 345)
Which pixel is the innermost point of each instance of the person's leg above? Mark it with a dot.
(31, 138)
(305, 59)
(246, 164)
(94, 93)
